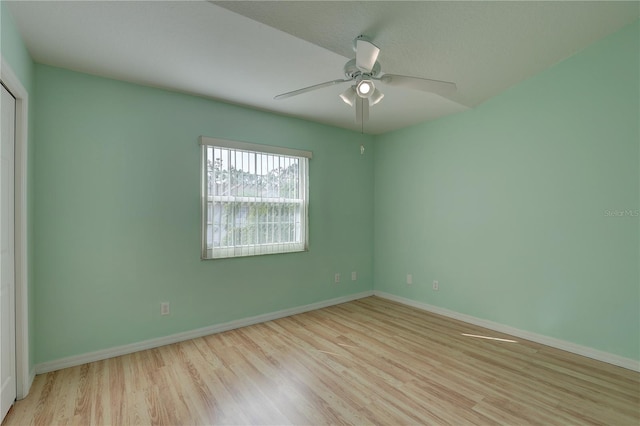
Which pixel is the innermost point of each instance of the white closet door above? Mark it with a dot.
(7, 255)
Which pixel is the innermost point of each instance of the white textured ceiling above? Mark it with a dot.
(246, 52)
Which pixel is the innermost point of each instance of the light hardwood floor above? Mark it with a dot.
(371, 361)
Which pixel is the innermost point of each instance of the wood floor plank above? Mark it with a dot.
(367, 362)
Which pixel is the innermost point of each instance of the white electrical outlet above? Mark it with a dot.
(336, 278)
(436, 286)
(409, 279)
(164, 308)
(354, 276)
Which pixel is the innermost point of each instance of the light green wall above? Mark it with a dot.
(17, 57)
(118, 215)
(505, 204)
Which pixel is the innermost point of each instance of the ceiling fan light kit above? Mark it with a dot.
(349, 96)
(364, 88)
(375, 97)
(363, 70)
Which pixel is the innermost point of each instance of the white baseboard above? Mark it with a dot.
(72, 361)
(75, 360)
(607, 357)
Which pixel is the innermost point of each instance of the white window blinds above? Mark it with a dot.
(254, 199)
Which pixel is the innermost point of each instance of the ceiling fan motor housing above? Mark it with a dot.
(353, 72)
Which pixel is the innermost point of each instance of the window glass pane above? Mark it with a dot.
(254, 202)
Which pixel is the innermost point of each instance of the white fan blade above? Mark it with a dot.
(442, 88)
(310, 88)
(366, 55)
(362, 110)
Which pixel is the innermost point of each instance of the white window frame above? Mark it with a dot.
(207, 199)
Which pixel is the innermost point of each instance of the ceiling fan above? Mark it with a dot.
(363, 70)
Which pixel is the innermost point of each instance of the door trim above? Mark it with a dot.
(24, 375)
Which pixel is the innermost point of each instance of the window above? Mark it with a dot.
(254, 199)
